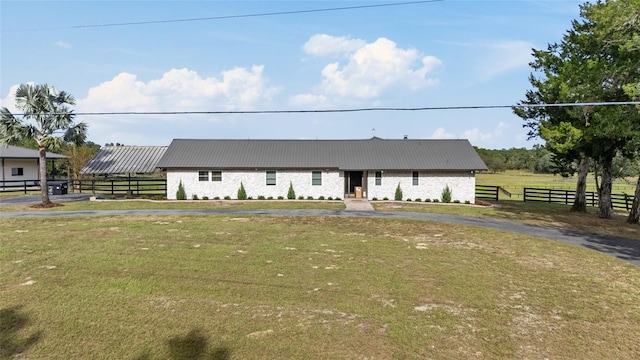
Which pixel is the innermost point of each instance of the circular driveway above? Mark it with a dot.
(621, 248)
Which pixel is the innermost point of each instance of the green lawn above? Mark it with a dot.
(237, 287)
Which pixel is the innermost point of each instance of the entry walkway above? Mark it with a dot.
(353, 204)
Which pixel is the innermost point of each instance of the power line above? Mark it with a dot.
(224, 17)
(472, 107)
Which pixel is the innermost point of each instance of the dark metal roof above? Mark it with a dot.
(374, 153)
(16, 152)
(125, 160)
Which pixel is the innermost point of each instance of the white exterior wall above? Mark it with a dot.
(29, 166)
(255, 184)
(430, 185)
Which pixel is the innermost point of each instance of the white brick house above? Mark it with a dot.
(370, 168)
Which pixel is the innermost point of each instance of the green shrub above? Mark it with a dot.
(427, 200)
(128, 196)
(250, 198)
(330, 198)
(181, 194)
(227, 197)
(398, 196)
(385, 198)
(300, 197)
(157, 197)
(337, 198)
(291, 194)
(446, 194)
(418, 200)
(260, 197)
(144, 196)
(456, 201)
(320, 197)
(374, 199)
(408, 199)
(205, 198)
(436, 200)
(467, 202)
(242, 193)
(280, 197)
(270, 198)
(111, 197)
(194, 197)
(216, 198)
(309, 197)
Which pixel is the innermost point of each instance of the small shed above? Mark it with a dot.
(18, 164)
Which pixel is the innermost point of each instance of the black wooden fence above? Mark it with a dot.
(618, 201)
(23, 186)
(487, 192)
(134, 186)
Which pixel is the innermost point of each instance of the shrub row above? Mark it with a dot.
(242, 195)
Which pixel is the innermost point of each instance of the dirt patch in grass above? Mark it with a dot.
(46, 206)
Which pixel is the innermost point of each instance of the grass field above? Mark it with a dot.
(236, 287)
(222, 287)
(515, 181)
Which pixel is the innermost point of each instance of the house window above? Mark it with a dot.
(378, 177)
(316, 178)
(17, 171)
(271, 177)
(203, 175)
(216, 176)
(415, 178)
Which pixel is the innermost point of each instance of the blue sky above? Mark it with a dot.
(438, 54)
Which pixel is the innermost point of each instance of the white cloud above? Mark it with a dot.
(10, 100)
(441, 133)
(323, 45)
(62, 44)
(181, 90)
(370, 69)
(503, 57)
(475, 135)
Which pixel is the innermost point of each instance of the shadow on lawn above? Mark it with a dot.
(12, 321)
(193, 346)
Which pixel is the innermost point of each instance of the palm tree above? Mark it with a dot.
(47, 119)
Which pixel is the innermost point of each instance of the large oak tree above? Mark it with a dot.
(596, 61)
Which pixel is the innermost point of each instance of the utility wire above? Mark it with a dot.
(343, 8)
(472, 107)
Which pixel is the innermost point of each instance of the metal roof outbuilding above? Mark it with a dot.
(125, 160)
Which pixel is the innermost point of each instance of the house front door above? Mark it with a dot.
(352, 180)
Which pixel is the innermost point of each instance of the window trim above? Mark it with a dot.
(378, 176)
(416, 178)
(202, 174)
(271, 181)
(216, 175)
(316, 178)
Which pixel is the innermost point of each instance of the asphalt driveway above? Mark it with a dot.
(621, 248)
